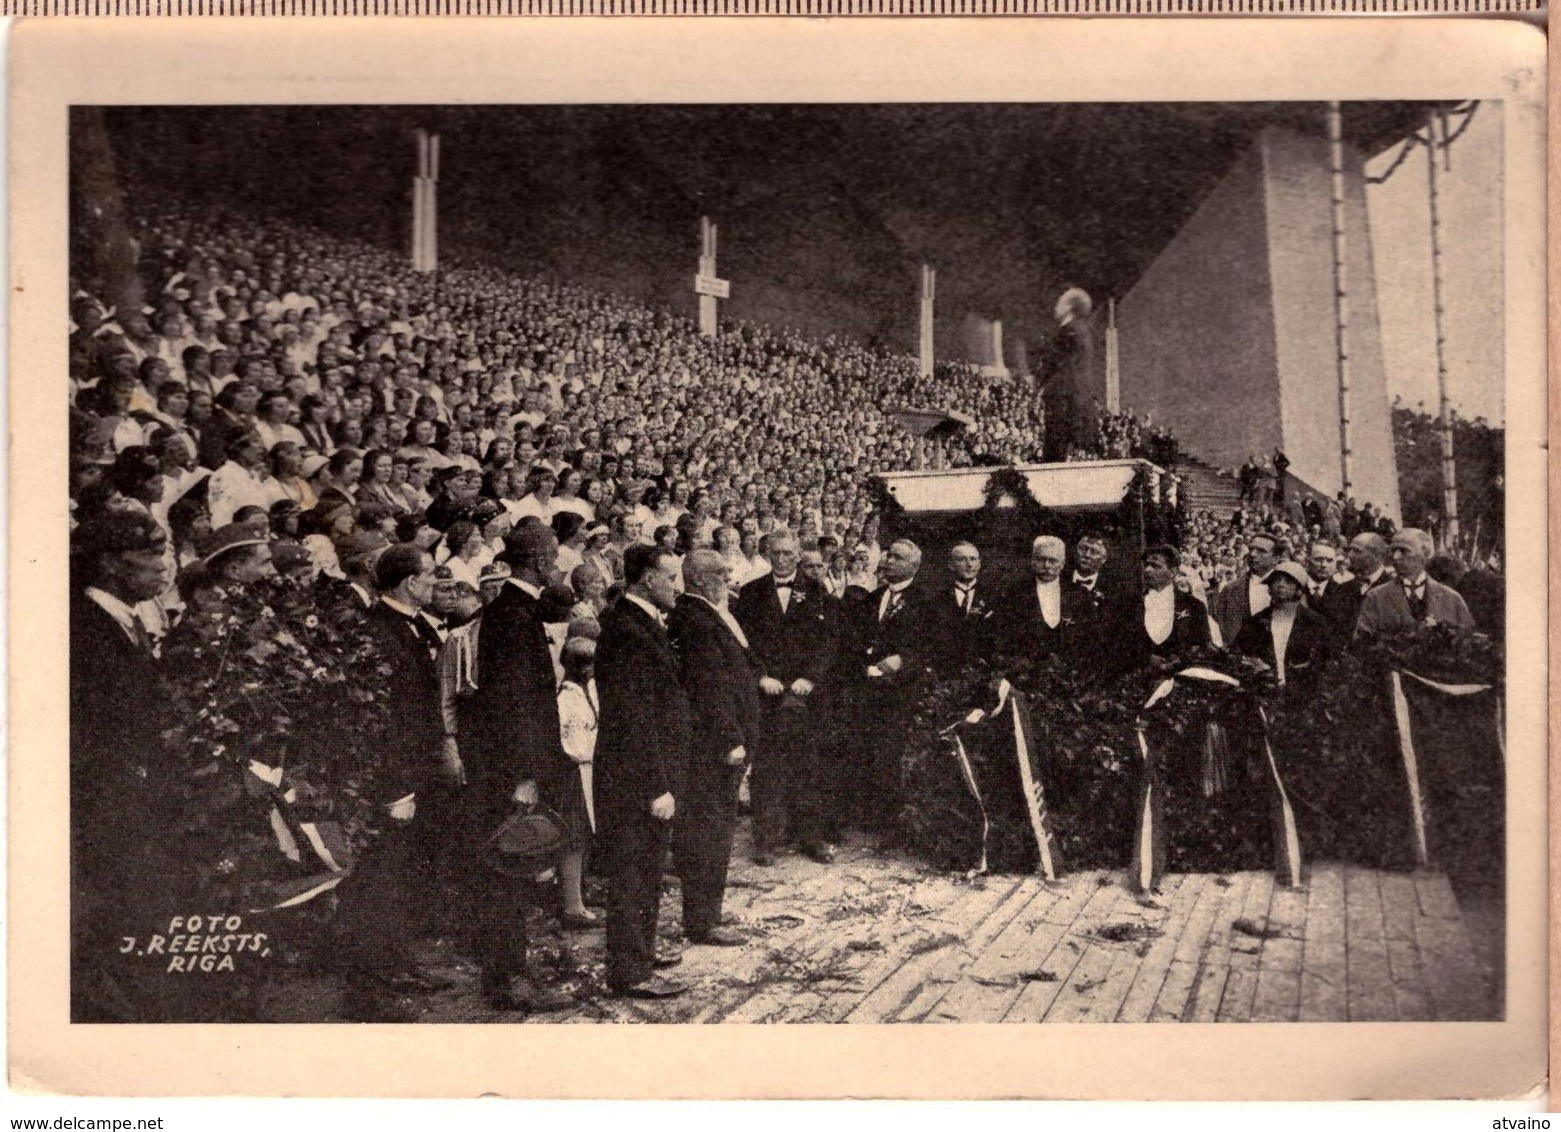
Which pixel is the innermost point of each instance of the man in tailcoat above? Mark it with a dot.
(1089, 558)
(789, 622)
(381, 902)
(126, 875)
(512, 754)
(721, 676)
(1164, 623)
(642, 754)
(1043, 615)
(1247, 593)
(895, 643)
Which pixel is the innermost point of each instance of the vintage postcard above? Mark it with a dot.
(930, 559)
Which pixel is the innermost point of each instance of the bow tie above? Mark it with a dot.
(783, 585)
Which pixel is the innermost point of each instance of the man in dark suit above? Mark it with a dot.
(385, 895)
(1290, 637)
(721, 676)
(970, 607)
(895, 652)
(1368, 559)
(1336, 600)
(1164, 623)
(642, 753)
(512, 754)
(1065, 370)
(1043, 615)
(125, 871)
(789, 623)
(1089, 558)
(1485, 593)
(1247, 593)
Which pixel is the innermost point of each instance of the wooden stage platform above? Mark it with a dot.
(870, 939)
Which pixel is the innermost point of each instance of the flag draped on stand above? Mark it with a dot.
(1149, 832)
(1450, 719)
(1012, 704)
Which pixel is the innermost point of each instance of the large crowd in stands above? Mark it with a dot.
(447, 445)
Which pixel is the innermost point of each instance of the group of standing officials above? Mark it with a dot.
(812, 694)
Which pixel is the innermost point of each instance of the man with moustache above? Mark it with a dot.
(894, 659)
(1089, 557)
(721, 677)
(1043, 615)
(789, 621)
(1413, 598)
(642, 754)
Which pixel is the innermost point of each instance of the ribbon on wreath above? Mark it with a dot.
(326, 844)
(1149, 833)
(1012, 702)
(1406, 745)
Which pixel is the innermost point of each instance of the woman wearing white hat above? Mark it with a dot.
(1288, 636)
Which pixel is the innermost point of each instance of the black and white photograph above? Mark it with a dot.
(721, 561)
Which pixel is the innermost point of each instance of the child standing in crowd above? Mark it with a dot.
(578, 709)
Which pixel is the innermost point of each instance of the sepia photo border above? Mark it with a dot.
(60, 64)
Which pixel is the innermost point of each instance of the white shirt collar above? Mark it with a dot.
(124, 614)
(655, 614)
(726, 617)
(1416, 583)
(400, 607)
(901, 587)
(526, 587)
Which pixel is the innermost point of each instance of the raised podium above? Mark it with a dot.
(1128, 503)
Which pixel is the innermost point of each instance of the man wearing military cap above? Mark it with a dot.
(124, 872)
(236, 555)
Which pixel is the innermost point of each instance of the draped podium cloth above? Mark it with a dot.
(1449, 735)
(1147, 868)
(1008, 727)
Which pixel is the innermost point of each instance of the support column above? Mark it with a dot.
(707, 285)
(1341, 295)
(425, 204)
(999, 364)
(929, 285)
(1113, 360)
(1434, 148)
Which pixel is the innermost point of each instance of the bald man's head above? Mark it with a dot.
(706, 574)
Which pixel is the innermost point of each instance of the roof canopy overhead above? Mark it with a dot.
(826, 211)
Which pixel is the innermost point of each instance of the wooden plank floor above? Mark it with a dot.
(875, 938)
(870, 939)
